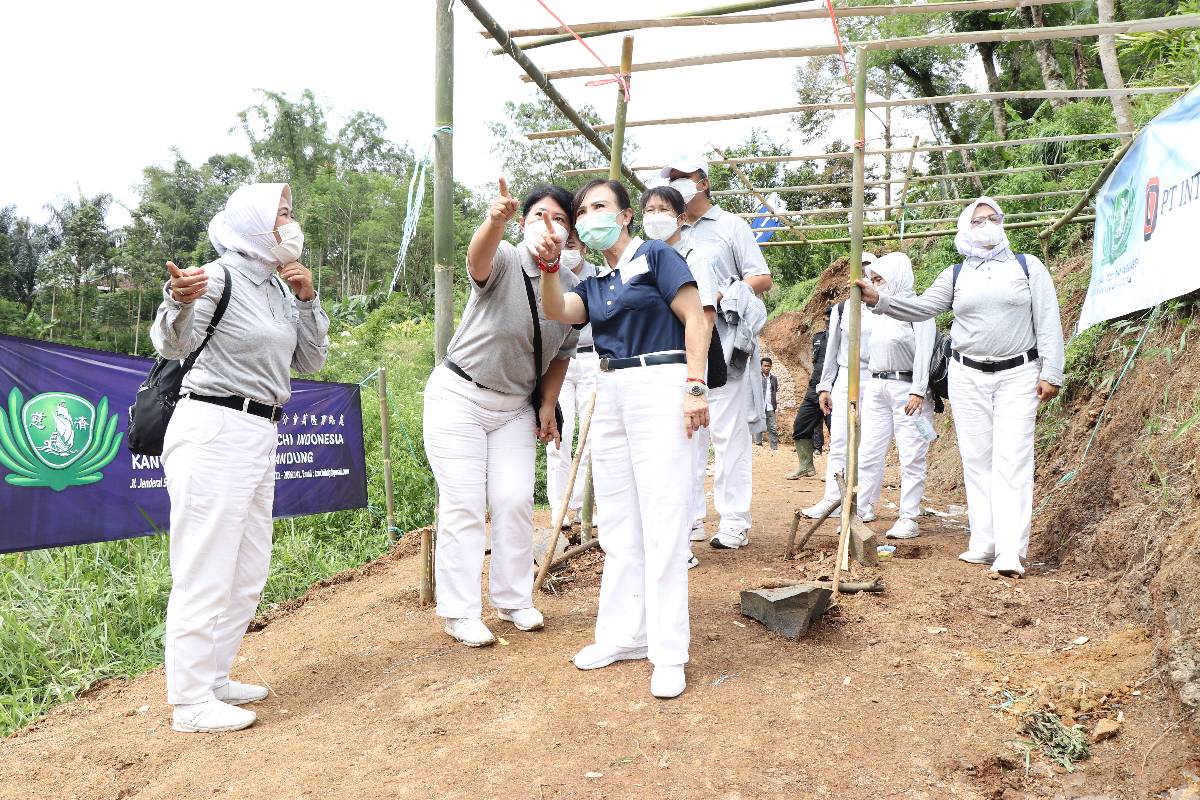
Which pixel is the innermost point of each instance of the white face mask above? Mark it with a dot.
(686, 187)
(660, 225)
(291, 244)
(572, 259)
(989, 234)
(534, 230)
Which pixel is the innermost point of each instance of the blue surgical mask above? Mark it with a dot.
(599, 230)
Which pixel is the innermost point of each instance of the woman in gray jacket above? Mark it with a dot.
(1007, 358)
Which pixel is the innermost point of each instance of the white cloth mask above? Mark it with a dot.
(989, 234)
(660, 225)
(686, 187)
(571, 259)
(534, 230)
(291, 245)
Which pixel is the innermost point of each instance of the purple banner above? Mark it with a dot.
(66, 476)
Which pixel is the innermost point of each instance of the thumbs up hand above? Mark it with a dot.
(504, 207)
(187, 284)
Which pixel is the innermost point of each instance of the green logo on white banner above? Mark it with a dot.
(56, 440)
(1120, 225)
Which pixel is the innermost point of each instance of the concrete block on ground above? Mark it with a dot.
(864, 544)
(789, 611)
(541, 540)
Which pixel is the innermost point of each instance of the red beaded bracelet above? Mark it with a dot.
(696, 380)
(549, 269)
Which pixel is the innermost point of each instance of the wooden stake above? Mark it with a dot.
(812, 528)
(618, 142)
(907, 174)
(385, 437)
(443, 179)
(561, 511)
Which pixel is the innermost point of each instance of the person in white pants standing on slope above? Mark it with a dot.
(1007, 358)
(735, 255)
(833, 393)
(894, 399)
(573, 400)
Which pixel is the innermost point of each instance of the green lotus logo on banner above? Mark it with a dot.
(1120, 224)
(57, 440)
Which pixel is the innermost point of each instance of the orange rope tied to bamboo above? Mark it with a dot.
(617, 77)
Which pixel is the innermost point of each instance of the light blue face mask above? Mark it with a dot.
(599, 230)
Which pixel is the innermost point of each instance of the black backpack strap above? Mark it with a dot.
(222, 304)
(537, 337)
(954, 278)
(1024, 264)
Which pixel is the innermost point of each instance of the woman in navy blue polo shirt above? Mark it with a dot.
(652, 337)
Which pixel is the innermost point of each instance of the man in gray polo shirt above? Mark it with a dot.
(735, 256)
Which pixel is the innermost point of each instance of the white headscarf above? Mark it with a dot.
(246, 224)
(962, 239)
(896, 269)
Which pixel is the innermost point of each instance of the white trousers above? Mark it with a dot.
(220, 472)
(642, 453)
(481, 446)
(883, 418)
(994, 416)
(699, 444)
(573, 399)
(836, 460)
(733, 482)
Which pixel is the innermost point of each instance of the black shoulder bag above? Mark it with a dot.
(718, 370)
(156, 397)
(536, 399)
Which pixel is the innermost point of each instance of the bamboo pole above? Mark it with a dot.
(854, 308)
(891, 223)
(1090, 191)
(561, 511)
(538, 77)
(707, 20)
(907, 174)
(732, 8)
(821, 212)
(745, 179)
(913, 235)
(385, 441)
(1040, 94)
(905, 43)
(618, 140)
(443, 179)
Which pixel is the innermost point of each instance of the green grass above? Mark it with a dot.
(72, 616)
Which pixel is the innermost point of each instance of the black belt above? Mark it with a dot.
(237, 403)
(460, 372)
(996, 366)
(587, 348)
(609, 364)
(893, 376)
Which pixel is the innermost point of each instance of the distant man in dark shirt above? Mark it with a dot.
(770, 390)
(809, 419)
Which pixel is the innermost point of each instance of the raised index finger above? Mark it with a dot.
(504, 188)
(174, 270)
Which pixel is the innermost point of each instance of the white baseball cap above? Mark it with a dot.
(689, 163)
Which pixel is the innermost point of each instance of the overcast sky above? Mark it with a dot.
(93, 92)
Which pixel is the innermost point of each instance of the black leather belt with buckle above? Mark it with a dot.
(893, 376)
(587, 348)
(238, 403)
(610, 364)
(996, 366)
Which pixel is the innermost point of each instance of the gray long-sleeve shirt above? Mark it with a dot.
(265, 333)
(998, 314)
(837, 346)
(904, 347)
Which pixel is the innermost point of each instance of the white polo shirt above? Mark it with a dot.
(729, 243)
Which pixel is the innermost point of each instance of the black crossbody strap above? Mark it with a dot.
(537, 337)
(222, 304)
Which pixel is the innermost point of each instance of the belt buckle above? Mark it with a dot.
(604, 364)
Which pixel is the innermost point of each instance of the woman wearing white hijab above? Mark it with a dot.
(894, 398)
(1007, 357)
(219, 451)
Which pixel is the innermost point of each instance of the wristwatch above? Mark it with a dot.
(696, 389)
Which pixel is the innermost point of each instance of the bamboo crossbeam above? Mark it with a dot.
(891, 223)
(691, 21)
(1090, 191)
(921, 204)
(745, 179)
(917, 235)
(905, 43)
(1040, 94)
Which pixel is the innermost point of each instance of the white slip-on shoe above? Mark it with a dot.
(817, 511)
(976, 557)
(567, 521)
(903, 529)
(730, 539)
(238, 694)
(698, 534)
(1008, 565)
(211, 716)
(470, 631)
(523, 619)
(692, 561)
(867, 514)
(595, 656)
(667, 681)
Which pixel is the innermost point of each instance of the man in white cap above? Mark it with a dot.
(735, 256)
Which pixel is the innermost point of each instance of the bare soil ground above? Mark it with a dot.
(890, 695)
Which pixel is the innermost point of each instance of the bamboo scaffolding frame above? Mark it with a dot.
(916, 235)
(903, 43)
(897, 206)
(1090, 191)
(1039, 94)
(1021, 215)
(745, 179)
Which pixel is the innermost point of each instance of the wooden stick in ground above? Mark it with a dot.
(385, 436)
(561, 511)
(812, 528)
(571, 552)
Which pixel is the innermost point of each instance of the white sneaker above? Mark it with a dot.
(903, 529)
(211, 716)
(523, 619)
(817, 511)
(730, 539)
(470, 631)
(698, 533)
(238, 694)
(976, 557)
(667, 682)
(692, 561)
(1008, 565)
(867, 514)
(595, 656)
